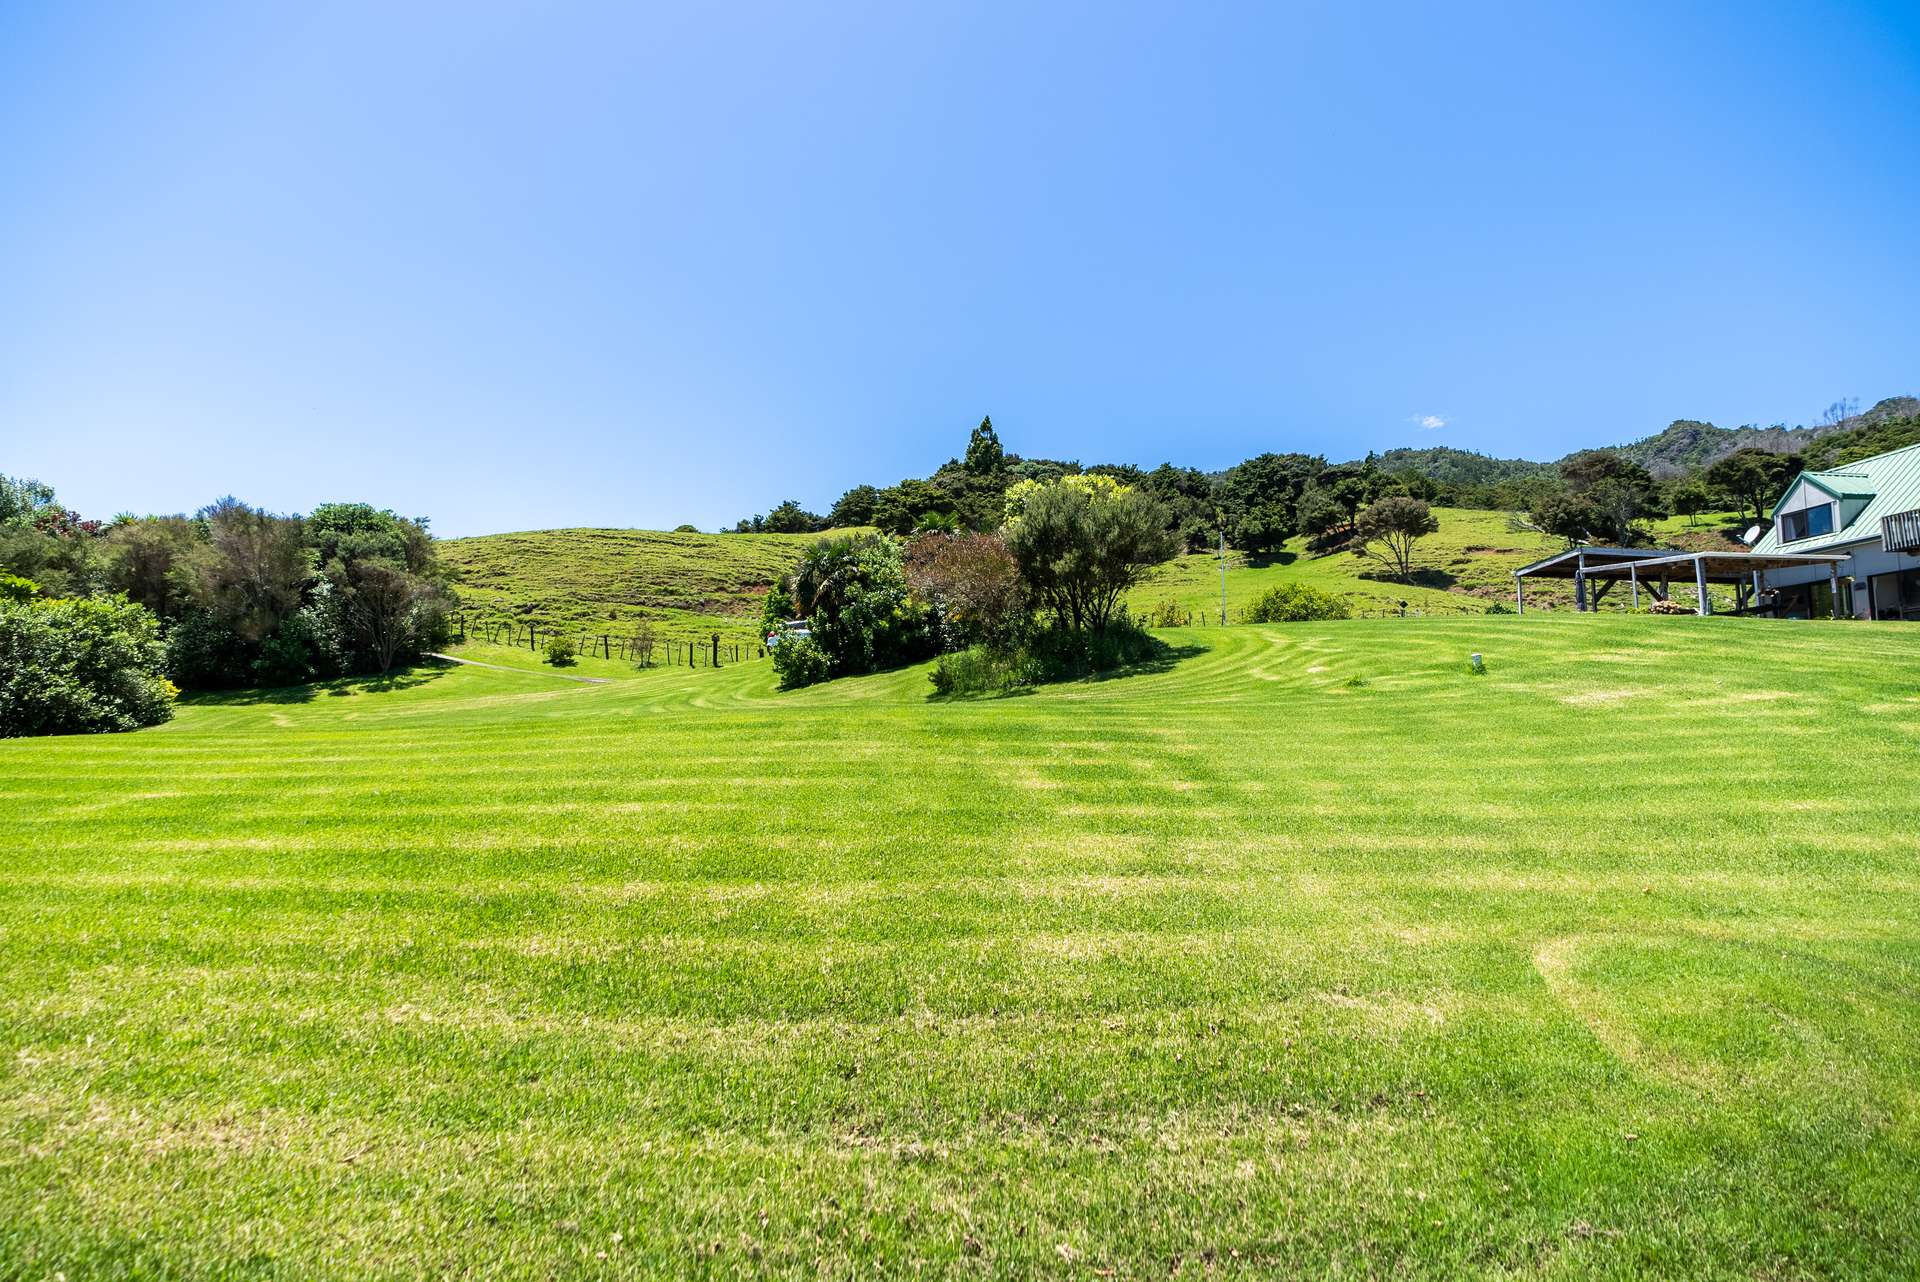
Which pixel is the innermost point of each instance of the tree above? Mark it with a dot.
(1351, 493)
(1187, 495)
(790, 518)
(1081, 542)
(984, 455)
(64, 564)
(855, 507)
(386, 608)
(253, 569)
(1389, 530)
(1690, 499)
(78, 666)
(150, 559)
(1262, 528)
(386, 586)
(898, 508)
(24, 501)
(972, 583)
(1321, 515)
(1752, 478)
(1606, 498)
(362, 530)
(642, 642)
(1260, 498)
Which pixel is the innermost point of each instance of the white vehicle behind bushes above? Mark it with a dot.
(795, 628)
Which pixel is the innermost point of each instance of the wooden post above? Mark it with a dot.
(716, 650)
(1633, 577)
(1833, 577)
(1519, 595)
(1700, 585)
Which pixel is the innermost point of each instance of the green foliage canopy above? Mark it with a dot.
(80, 666)
(1081, 542)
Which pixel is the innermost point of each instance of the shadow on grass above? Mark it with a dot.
(405, 679)
(1261, 560)
(1427, 577)
(1161, 658)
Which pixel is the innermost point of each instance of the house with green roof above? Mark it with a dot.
(1866, 512)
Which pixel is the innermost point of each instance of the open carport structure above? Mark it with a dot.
(1596, 569)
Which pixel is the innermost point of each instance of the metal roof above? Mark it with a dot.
(1721, 567)
(1889, 482)
(1591, 556)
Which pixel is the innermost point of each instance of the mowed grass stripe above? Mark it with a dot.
(1604, 962)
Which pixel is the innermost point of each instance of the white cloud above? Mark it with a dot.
(1428, 422)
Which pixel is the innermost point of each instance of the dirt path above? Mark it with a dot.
(501, 667)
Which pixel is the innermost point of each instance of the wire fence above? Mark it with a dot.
(639, 647)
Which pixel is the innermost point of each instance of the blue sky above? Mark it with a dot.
(527, 266)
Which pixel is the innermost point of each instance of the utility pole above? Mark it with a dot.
(1223, 576)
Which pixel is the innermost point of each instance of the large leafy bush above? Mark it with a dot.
(77, 666)
(853, 593)
(799, 661)
(1296, 603)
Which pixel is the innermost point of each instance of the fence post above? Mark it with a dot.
(716, 649)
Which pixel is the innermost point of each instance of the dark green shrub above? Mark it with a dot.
(1170, 614)
(977, 669)
(1296, 603)
(80, 666)
(203, 653)
(1061, 653)
(800, 661)
(1499, 607)
(561, 651)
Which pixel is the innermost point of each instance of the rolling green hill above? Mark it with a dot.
(1308, 953)
(688, 585)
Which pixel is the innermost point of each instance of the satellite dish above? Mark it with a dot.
(1752, 536)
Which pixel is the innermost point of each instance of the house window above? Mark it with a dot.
(1807, 523)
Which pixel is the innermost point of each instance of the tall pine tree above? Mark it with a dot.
(984, 455)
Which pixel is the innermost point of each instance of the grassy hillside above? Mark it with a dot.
(1310, 953)
(687, 584)
(1467, 566)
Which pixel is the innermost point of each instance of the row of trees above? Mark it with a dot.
(1606, 498)
(1259, 504)
(239, 595)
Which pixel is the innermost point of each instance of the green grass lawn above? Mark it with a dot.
(602, 581)
(1310, 953)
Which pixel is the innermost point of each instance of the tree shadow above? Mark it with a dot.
(403, 679)
(1161, 657)
(1426, 577)
(1261, 560)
